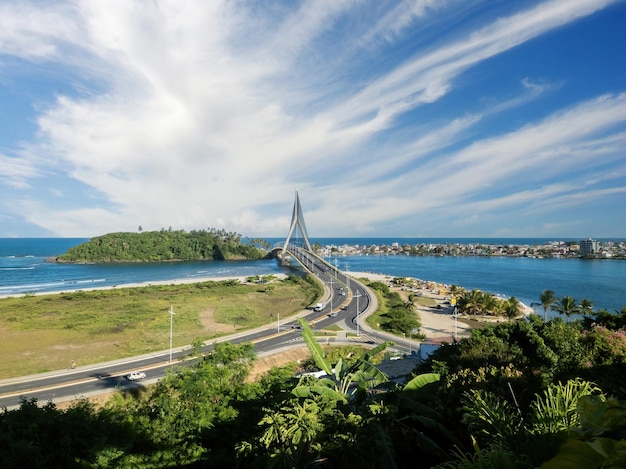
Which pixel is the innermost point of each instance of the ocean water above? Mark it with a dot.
(601, 281)
(23, 270)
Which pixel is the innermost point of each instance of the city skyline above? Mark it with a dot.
(391, 118)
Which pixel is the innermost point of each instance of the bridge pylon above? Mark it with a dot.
(297, 222)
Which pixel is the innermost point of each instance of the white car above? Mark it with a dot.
(135, 375)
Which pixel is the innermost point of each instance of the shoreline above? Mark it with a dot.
(178, 281)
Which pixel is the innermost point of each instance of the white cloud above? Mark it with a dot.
(206, 114)
(35, 33)
(17, 172)
(426, 78)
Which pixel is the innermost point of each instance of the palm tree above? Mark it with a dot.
(455, 290)
(499, 307)
(512, 308)
(473, 301)
(547, 298)
(490, 303)
(498, 425)
(586, 306)
(567, 306)
(290, 433)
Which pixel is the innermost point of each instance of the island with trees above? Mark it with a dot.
(163, 245)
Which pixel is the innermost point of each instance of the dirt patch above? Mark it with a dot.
(264, 364)
(207, 319)
(66, 347)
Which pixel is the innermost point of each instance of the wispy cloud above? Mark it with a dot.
(426, 78)
(210, 114)
(544, 150)
(16, 172)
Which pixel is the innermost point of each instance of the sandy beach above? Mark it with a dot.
(437, 324)
(180, 281)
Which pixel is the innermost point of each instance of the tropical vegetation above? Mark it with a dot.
(395, 315)
(163, 245)
(476, 302)
(521, 386)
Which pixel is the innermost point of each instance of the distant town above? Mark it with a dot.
(586, 248)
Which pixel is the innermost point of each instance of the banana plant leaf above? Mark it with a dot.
(311, 391)
(314, 347)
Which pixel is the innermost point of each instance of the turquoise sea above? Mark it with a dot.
(23, 270)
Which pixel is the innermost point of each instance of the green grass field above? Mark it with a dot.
(48, 332)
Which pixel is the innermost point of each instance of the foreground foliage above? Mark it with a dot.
(521, 385)
(515, 395)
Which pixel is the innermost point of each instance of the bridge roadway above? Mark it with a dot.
(350, 300)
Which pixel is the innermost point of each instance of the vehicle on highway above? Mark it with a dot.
(135, 375)
(319, 307)
(333, 314)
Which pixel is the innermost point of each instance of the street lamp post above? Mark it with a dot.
(171, 329)
(455, 314)
(357, 296)
(331, 294)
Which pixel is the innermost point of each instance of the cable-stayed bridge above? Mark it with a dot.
(296, 244)
(342, 294)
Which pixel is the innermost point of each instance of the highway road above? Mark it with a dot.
(344, 296)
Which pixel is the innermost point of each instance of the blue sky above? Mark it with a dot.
(418, 118)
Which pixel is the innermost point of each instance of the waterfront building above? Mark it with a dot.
(589, 247)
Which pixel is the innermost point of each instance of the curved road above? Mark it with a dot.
(345, 301)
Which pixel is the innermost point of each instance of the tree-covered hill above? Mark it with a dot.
(164, 245)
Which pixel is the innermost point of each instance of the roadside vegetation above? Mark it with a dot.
(164, 245)
(519, 394)
(395, 315)
(49, 332)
